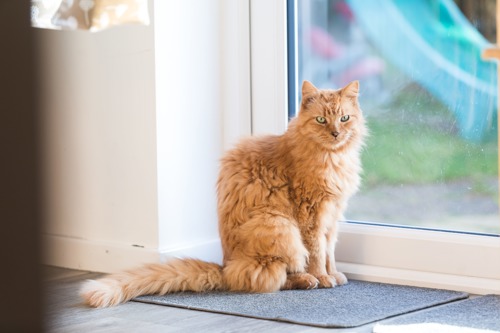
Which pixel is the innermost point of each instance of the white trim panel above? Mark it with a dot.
(236, 92)
(269, 66)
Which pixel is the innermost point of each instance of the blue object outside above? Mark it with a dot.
(435, 45)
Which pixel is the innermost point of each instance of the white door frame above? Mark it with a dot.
(377, 253)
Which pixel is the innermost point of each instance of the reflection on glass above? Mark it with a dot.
(431, 103)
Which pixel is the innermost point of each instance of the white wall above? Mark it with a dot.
(133, 131)
(189, 124)
(99, 135)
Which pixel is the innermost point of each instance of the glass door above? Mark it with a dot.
(431, 160)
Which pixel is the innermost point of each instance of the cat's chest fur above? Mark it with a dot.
(320, 191)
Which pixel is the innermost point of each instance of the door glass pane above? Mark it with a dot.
(430, 101)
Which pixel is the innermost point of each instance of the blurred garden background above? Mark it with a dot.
(430, 99)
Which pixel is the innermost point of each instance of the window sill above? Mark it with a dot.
(420, 257)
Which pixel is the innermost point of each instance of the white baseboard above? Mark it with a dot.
(469, 284)
(105, 257)
(108, 257)
(210, 251)
(95, 256)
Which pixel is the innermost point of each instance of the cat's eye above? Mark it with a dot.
(344, 118)
(321, 120)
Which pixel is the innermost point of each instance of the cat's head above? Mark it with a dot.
(331, 118)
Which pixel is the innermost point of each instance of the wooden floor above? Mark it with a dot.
(66, 313)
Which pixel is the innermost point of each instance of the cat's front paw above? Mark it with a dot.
(326, 281)
(340, 278)
(300, 281)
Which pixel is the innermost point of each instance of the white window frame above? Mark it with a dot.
(424, 258)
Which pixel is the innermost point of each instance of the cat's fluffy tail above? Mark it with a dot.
(173, 276)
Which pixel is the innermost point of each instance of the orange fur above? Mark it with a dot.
(279, 200)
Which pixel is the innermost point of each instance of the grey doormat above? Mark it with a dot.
(481, 314)
(354, 304)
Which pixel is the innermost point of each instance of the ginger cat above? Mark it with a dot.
(279, 200)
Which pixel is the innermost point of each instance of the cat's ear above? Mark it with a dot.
(308, 88)
(351, 90)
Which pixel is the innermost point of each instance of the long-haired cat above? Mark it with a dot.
(279, 200)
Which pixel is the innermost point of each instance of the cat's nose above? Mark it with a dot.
(335, 133)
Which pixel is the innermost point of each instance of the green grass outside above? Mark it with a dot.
(414, 141)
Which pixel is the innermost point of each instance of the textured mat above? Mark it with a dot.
(481, 314)
(354, 304)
